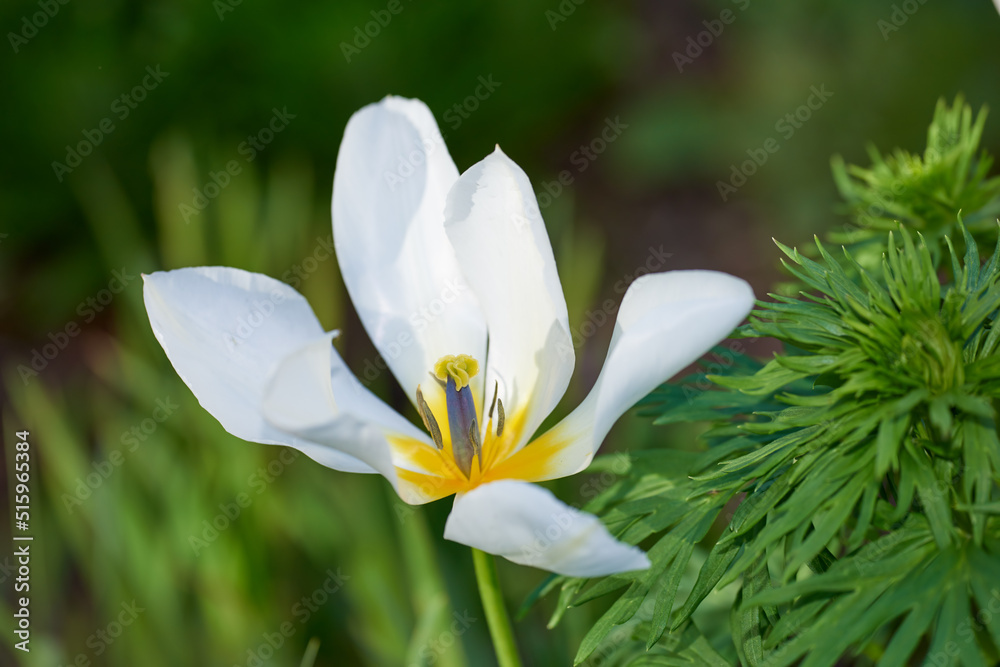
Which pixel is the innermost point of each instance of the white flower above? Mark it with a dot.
(447, 272)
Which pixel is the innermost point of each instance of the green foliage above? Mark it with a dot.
(60, 239)
(922, 192)
(849, 488)
(218, 541)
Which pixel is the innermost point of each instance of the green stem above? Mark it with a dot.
(496, 613)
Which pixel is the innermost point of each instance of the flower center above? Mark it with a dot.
(460, 368)
(454, 373)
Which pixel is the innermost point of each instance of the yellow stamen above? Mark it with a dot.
(459, 368)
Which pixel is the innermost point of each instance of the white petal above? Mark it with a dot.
(313, 395)
(393, 175)
(495, 225)
(666, 322)
(224, 330)
(526, 524)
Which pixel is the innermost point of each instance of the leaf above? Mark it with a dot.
(768, 380)
(891, 556)
(908, 635)
(833, 519)
(605, 624)
(984, 571)
(309, 657)
(750, 621)
(548, 584)
(757, 504)
(690, 647)
(890, 435)
(866, 449)
(933, 496)
(795, 619)
(719, 559)
(569, 590)
(687, 537)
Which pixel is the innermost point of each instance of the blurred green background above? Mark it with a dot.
(122, 500)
